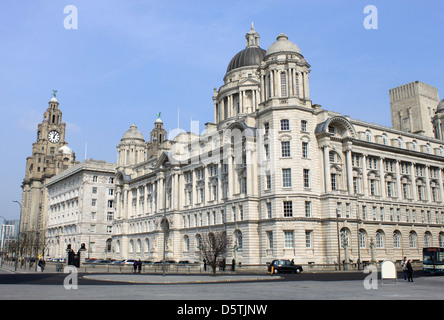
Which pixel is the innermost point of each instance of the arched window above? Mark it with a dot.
(379, 239)
(147, 245)
(139, 245)
(238, 239)
(297, 84)
(186, 242)
(427, 239)
(412, 239)
(198, 241)
(283, 84)
(384, 139)
(362, 239)
(368, 136)
(345, 235)
(396, 239)
(441, 239)
(131, 246)
(108, 245)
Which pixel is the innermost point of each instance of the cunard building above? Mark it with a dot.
(284, 177)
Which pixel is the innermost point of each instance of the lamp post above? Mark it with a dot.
(18, 235)
(339, 243)
(164, 223)
(358, 222)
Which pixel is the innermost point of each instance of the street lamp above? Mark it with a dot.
(18, 235)
(164, 223)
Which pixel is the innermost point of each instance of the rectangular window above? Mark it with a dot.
(288, 208)
(306, 176)
(286, 178)
(308, 234)
(267, 152)
(285, 149)
(308, 209)
(289, 239)
(304, 125)
(334, 185)
(269, 212)
(364, 212)
(268, 181)
(270, 239)
(305, 150)
(285, 125)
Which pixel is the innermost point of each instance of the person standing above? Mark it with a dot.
(409, 271)
(404, 268)
(135, 266)
(139, 266)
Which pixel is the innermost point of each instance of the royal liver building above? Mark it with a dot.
(284, 177)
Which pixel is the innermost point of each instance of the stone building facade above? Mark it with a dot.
(50, 156)
(284, 177)
(81, 210)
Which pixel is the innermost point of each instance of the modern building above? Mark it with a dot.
(81, 210)
(8, 235)
(284, 177)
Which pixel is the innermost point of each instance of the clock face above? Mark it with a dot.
(53, 136)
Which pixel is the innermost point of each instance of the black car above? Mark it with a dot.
(280, 266)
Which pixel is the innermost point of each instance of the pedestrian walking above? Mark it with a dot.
(205, 264)
(42, 264)
(409, 271)
(135, 266)
(233, 265)
(139, 266)
(404, 268)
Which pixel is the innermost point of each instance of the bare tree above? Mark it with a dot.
(214, 248)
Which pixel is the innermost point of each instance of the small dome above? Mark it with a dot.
(133, 133)
(53, 99)
(65, 150)
(282, 44)
(440, 107)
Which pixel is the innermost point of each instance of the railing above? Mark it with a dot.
(178, 268)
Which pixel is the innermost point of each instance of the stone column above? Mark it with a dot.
(327, 177)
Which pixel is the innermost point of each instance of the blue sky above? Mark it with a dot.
(129, 60)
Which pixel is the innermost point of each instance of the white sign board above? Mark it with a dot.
(388, 270)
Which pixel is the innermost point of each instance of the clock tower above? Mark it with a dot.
(50, 156)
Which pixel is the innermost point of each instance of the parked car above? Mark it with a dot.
(282, 265)
(128, 262)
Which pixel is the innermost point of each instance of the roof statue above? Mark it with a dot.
(54, 93)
